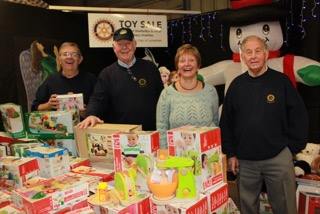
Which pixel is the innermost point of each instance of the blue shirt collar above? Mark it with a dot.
(122, 64)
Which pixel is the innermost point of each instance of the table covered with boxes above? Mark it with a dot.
(49, 165)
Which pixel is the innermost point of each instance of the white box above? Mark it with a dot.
(203, 145)
(72, 103)
(53, 161)
(12, 119)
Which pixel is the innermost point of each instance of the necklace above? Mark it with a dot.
(188, 89)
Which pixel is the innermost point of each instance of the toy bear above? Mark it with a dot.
(307, 161)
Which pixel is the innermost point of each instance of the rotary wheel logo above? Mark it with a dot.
(103, 30)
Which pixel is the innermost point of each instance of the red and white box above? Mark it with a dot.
(198, 206)
(139, 207)
(203, 145)
(11, 210)
(106, 175)
(76, 162)
(218, 198)
(309, 203)
(20, 170)
(127, 146)
(53, 195)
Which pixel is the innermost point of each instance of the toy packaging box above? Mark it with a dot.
(53, 194)
(68, 144)
(105, 174)
(203, 145)
(49, 125)
(52, 161)
(20, 149)
(218, 198)
(5, 198)
(141, 206)
(19, 170)
(12, 118)
(76, 162)
(196, 206)
(309, 203)
(71, 103)
(9, 209)
(95, 143)
(136, 148)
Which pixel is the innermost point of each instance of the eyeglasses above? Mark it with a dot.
(70, 54)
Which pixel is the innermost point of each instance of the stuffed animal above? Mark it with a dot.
(307, 161)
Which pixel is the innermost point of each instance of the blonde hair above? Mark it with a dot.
(190, 49)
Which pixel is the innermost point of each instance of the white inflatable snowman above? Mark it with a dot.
(298, 68)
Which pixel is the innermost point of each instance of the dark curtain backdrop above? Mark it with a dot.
(20, 25)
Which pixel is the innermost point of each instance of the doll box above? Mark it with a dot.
(19, 169)
(49, 125)
(12, 118)
(95, 143)
(53, 161)
(52, 195)
(198, 206)
(218, 197)
(203, 145)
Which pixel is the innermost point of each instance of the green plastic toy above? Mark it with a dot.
(186, 180)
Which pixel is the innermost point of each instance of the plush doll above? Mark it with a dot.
(259, 17)
(307, 161)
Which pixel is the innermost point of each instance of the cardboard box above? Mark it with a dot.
(18, 169)
(203, 145)
(309, 203)
(20, 149)
(218, 198)
(53, 161)
(12, 118)
(76, 162)
(106, 175)
(142, 206)
(71, 103)
(11, 210)
(49, 125)
(127, 147)
(56, 194)
(95, 143)
(198, 206)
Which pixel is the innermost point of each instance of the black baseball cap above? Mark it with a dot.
(123, 34)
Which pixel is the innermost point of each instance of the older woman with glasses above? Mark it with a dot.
(69, 80)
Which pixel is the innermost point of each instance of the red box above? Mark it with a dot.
(309, 203)
(203, 145)
(217, 197)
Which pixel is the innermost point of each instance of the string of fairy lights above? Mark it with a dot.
(205, 26)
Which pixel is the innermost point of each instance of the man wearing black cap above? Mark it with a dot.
(127, 91)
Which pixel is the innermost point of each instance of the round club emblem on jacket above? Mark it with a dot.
(271, 98)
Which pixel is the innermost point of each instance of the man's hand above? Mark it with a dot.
(90, 121)
(52, 104)
(233, 165)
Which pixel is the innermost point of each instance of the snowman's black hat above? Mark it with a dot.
(246, 12)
